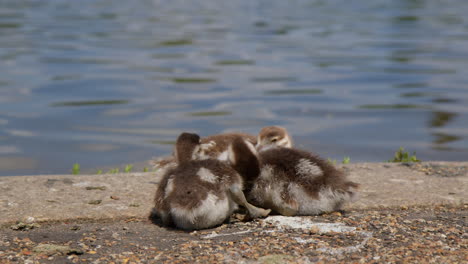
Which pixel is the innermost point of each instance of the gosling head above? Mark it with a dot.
(186, 145)
(273, 136)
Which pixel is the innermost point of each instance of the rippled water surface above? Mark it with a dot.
(105, 83)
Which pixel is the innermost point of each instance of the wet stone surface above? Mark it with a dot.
(436, 234)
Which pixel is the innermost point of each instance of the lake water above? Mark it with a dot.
(105, 83)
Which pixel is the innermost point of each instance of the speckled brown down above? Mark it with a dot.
(273, 136)
(216, 147)
(295, 182)
(211, 147)
(199, 194)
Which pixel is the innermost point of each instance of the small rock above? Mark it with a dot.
(314, 230)
(113, 197)
(24, 226)
(116, 236)
(101, 188)
(95, 202)
(335, 213)
(275, 259)
(51, 249)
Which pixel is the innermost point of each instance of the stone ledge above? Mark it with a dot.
(61, 197)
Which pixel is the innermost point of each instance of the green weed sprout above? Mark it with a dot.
(402, 156)
(128, 168)
(113, 171)
(346, 160)
(76, 169)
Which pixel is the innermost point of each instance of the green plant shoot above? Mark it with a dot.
(402, 156)
(128, 168)
(346, 160)
(76, 169)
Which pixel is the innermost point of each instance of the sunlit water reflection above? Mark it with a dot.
(105, 83)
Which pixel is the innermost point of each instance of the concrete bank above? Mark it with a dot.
(413, 213)
(60, 197)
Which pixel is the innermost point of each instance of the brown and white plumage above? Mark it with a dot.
(216, 146)
(296, 182)
(211, 147)
(273, 136)
(199, 194)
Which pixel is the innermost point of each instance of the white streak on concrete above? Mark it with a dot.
(214, 234)
(282, 222)
(305, 241)
(83, 184)
(407, 181)
(349, 249)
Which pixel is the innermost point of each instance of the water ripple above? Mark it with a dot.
(347, 78)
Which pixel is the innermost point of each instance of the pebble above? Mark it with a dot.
(401, 235)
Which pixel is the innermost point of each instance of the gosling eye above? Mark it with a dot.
(274, 139)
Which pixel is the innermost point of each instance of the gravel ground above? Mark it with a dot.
(436, 234)
(438, 170)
